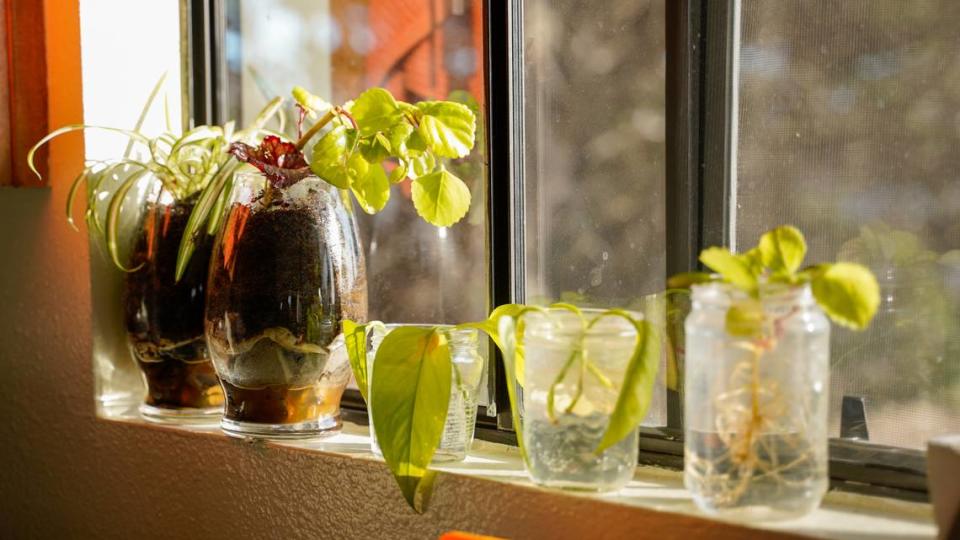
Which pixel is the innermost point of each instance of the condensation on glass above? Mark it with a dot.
(594, 154)
(848, 129)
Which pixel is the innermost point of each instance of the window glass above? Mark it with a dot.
(593, 124)
(848, 128)
(418, 49)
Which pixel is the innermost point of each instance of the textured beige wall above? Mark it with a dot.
(64, 473)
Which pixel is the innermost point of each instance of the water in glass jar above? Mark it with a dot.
(775, 476)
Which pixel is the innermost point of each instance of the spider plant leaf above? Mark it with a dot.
(146, 109)
(133, 135)
(113, 218)
(72, 194)
(201, 212)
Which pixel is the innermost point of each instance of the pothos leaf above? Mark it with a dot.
(782, 250)
(447, 128)
(733, 268)
(441, 198)
(409, 395)
(355, 337)
(848, 293)
(636, 391)
(372, 190)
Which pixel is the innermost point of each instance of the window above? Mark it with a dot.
(847, 129)
(624, 140)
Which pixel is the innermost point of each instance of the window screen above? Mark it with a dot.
(848, 128)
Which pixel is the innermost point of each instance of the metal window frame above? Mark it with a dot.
(700, 151)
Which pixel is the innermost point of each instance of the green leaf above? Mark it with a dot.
(782, 250)
(685, 280)
(441, 198)
(636, 391)
(201, 212)
(372, 190)
(447, 128)
(398, 136)
(491, 327)
(310, 102)
(399, 173)
(329, 158)
(113, 218)
(373, 149)
(745, 318)
(375, 110)
(133, 135)
(735, 269)
(410, 394)
(508, 332)
(421, 165)
(848, 293)
(355, 338)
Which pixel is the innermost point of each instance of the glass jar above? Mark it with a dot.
(756, 402)
(584, 369)
(286, 270)
(467, 373)
(164, 317)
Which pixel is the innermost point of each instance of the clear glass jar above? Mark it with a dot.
(467, 374)
(560, 440)
(756, 403)
(286, 270)
(164, 317)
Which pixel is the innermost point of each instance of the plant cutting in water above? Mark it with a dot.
(753, 421)
(358, 143)
(410, 392)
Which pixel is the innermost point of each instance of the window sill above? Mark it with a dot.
(655, 497)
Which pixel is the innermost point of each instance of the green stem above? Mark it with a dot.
(314, 129)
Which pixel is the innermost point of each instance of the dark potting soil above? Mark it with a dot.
(158, 309)
(164, 319)
(276, 268)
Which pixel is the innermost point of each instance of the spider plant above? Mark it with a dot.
(184, 164)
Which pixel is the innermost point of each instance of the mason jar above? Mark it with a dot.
(755, 414)
(466, 375)
(584, 369)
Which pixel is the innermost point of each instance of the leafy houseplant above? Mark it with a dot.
(409, 390)
(287, 266)
(757, 364)
(161, 177)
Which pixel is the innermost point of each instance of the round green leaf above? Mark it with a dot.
(782, 250)
(441, 198)
(328, 159)
(372, 190)
(848, 293)
(745, 318)
(375, 110)
(447, 128)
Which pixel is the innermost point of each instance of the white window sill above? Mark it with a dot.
(845, 516)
